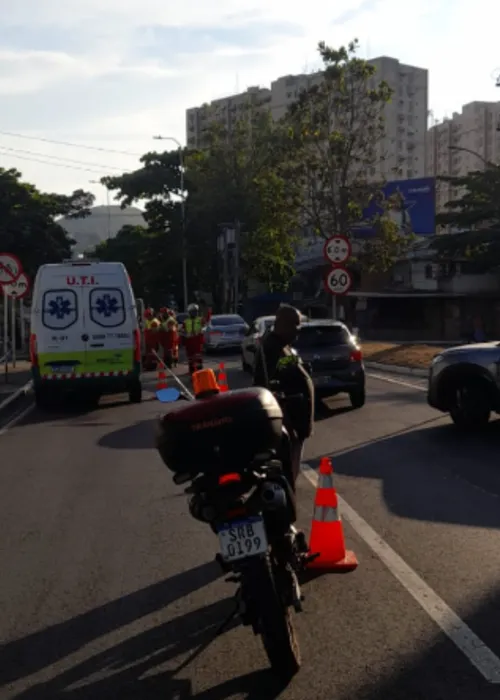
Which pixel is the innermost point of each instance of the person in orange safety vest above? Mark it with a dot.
(170, 339)
(192, 338)
(151, 328)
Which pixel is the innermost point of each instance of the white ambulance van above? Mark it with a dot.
(85, 337)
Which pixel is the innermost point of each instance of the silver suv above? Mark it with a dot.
(465, 382)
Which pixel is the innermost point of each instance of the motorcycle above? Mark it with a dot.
(230, 448)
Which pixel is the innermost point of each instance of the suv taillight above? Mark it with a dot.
(356, 356)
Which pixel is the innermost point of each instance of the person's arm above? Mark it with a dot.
(266, 360)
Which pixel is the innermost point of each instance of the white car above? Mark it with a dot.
(252, 338)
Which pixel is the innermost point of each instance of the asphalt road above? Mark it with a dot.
(107, 585)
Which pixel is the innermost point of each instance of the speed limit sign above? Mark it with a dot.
(337, 250)
(338, 281)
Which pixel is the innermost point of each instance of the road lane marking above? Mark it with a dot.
(396, 381)
(479, 655)
(14, 421)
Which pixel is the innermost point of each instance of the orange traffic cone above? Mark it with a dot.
(327, 532)
(162, 377)
(222, 379)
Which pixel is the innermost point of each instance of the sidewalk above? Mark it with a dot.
(15, 378)
(412, 356)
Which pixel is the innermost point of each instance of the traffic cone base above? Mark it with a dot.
(327, 532)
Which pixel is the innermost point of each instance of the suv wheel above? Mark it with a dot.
(358, 397)
(470, 406)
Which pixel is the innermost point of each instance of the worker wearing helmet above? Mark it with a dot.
(151, 335)
(192, 337)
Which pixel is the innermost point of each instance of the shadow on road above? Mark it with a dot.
(443, 672)
(416, 468)
(23, 657)
(139, 436)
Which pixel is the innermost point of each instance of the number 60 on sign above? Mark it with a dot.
(338, 281)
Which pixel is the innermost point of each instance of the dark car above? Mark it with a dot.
(334, 359)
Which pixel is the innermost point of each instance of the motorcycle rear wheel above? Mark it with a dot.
(275, 621)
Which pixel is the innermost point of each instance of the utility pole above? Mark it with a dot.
(183, 216)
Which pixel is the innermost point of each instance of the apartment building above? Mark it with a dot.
(465, 142)
(406, 116)
(226, 111)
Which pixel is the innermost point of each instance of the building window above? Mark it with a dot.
(428, 272)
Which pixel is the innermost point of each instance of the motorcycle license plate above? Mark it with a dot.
(243, 538)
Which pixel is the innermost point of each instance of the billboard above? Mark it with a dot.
(418, 210)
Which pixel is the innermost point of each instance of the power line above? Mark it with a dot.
(57, 165)
(72, 145)
(69, 160)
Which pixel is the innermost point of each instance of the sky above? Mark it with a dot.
(111, 74)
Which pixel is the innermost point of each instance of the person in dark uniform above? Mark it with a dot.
(277, 362)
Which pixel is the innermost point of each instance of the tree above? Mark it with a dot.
(29, 227)
(159, 248)
(238, 177)
(143, 254)
(336, 132)
(478, 205)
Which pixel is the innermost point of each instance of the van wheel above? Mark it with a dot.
(135, 393)
(43, 399)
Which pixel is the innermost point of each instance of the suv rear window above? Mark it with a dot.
(227, 321)
(321, 337)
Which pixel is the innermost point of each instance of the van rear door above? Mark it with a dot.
(109, 322)
(58, 332)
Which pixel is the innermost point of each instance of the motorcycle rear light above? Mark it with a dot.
(236, 513)
(229, 479)
(356, 356)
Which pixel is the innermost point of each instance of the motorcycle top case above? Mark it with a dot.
(226, 430)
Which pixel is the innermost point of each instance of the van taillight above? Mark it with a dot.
(137, 345)
(33, 350)
(356, 356)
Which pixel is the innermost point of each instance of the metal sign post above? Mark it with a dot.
(337, 251)
(6, 335)
(13, 332)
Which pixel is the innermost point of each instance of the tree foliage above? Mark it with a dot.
(29, 227)
(478, 203)
(336, 130)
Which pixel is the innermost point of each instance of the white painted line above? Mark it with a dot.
(480, 656)
(16, 394)
(396, 381)
(14, 421)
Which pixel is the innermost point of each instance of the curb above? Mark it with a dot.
(19, 393)
(396, 369)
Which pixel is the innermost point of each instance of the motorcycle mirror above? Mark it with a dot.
(167, 395)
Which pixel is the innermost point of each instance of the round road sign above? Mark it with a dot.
(338, 281)
(19, 288)
(10, 268)
(337, 250)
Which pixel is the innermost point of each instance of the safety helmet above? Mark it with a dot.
(148, 313)
(171, 313)
(193, 308)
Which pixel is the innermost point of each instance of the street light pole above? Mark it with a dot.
(97, 182)
(183, 217)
